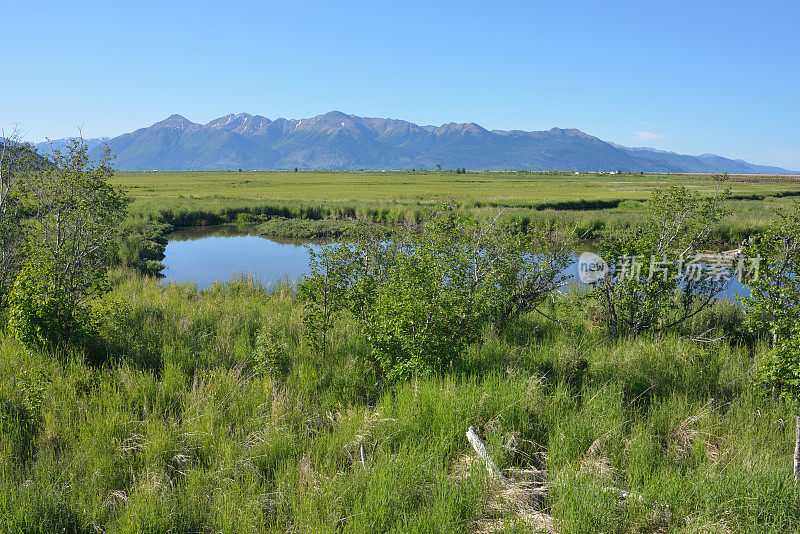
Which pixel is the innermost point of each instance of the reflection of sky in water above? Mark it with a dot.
(209, 259)
(205, 260)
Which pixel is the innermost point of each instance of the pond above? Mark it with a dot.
(207, 255)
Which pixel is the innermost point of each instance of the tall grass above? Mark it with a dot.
(208, 411)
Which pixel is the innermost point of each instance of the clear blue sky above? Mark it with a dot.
(693, 77)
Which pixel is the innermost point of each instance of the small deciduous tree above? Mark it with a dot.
(71, 229)
(422, 295)
(324, 295)
(16, 159)
(773, 305)
(646, 287)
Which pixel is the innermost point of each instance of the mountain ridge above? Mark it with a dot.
(339, 141)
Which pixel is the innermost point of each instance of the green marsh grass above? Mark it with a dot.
(208, 411)
(589, 201)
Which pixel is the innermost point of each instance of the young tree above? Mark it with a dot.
(16, 159)
(323, 294)
(647, 286)
(71, 233)
(773, 306)
(422, 295)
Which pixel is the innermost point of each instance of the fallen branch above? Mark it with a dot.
(702, 338)
(483, 454)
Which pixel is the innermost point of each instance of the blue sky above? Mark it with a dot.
(693, 77)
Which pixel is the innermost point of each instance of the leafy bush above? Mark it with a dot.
(423, 314)
(421, 297)
(71, 231)
(271, 351)
(40, 312)
(75, 219)
(779, 370)
(646, 287)
(773, 306)
(17, 159)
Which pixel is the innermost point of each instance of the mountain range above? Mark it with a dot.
(338, 141)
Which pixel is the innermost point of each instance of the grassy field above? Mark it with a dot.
(187, 420)
(591, 201)
(154, 190)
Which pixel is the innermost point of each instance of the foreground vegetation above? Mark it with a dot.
(211, 411)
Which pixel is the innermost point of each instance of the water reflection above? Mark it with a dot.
(206, 255)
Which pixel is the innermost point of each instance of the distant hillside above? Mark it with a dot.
(46, 147)
(339, 141)
(703, 162)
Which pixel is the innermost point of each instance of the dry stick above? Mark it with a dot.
(797, 450)
(480, 448)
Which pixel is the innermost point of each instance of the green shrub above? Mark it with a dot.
(271, 351)
(419, 321)
(71, 235)
(773, 306)
(779, 370)
(40, 312)
(423, 295)
(647, 286)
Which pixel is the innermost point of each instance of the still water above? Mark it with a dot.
(207, 255)
(204, 256)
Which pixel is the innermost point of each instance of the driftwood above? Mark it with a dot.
(797, 450)
(483, 454)
(537, 490)
(521, 491)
